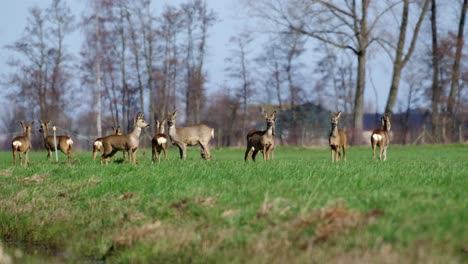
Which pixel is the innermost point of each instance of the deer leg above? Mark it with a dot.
(344, 152)
(381, 150)
(373, 150)
(153, 154)
(135, 156)
(21, 159)
(247, 152)
(385, 153)
(14, 157)
(337, 153)
(254, 154)
(165, 151)
(94, 152)
(26, 160)
(159, 154)
(206, 150)
(49, 153)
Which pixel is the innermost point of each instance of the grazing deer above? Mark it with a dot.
(64, 143)
(190, 136)
(159, 142)
(337, 138)
(381, 138)
(22, 144)
(128, 142)
(263, 141)
(97, 144)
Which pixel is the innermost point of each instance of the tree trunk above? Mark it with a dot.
(435, 78)
(456, 68)
(400, 60)
(98, 75)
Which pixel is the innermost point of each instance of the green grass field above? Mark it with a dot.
(298, 208)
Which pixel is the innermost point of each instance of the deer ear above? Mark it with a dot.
(338, 114)
(175, 113)
(32, 123)
(48, 122)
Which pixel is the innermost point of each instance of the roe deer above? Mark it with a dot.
(190, 136)
(381, 138)
(64, 143)
(263, 141)
(128, 142)
(22, 144)
(159, 142)
(97, 144)
(337, 138)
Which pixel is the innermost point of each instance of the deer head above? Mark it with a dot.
(334, 119)
(386, 125)
(140, 122)
(171, 118)
(117, 131)
(160, 126)
(270, 119)
(44, 126)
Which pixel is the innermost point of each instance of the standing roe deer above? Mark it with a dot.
(182, 137)
(64, 143)
(381, 138)
(337, 138)
(128, 142)
(159, 142)
(22, 144)
(97, 144)
(261, 140)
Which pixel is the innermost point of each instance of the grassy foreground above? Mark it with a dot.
(298, 208)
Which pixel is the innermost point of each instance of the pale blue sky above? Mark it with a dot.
(14, 13)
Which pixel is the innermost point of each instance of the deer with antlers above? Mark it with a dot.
(22, 144)
(97, 144)
(263, 140)
(159, 142)
(337, 138)
(381, 138)
(128, 142)
(182, 137)
(64, 143)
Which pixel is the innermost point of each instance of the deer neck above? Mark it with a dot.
(27, 135)
(136, 132)
(45, 133)
(386, 126)
(334, 131)
(172, 131)
(269, 131)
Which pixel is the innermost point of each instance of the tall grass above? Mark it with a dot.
(298, 208)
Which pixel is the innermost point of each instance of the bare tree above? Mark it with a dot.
(400, 59)
(239, 69)
(42, 62)
(436, 132)
(343, 25)
(454, 88)
(197, 19)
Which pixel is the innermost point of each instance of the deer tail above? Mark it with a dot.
(212, 133)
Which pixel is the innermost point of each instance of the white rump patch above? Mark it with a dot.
(97, 143)
(212, 133)
(17, 144)
(377, 137)
(161, 140)
(70, 142)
